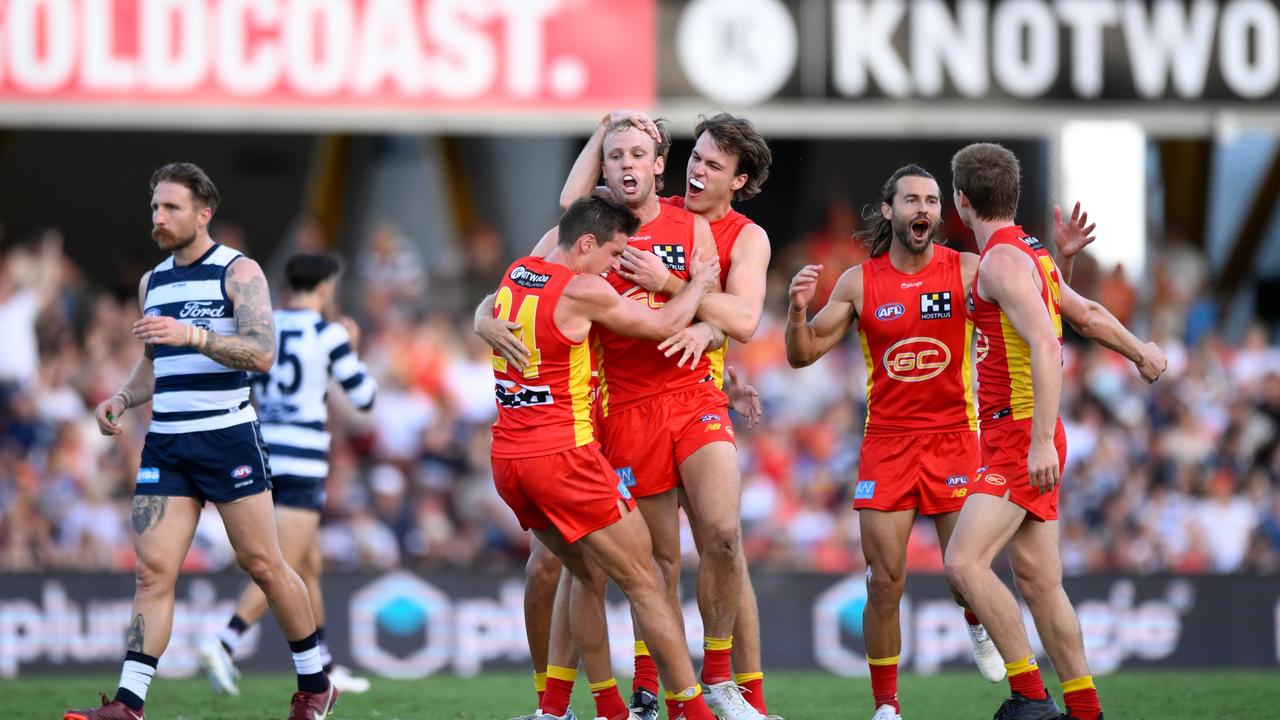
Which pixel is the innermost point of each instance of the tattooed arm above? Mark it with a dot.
(253, 347)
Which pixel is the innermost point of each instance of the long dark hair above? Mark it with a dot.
(879, 233)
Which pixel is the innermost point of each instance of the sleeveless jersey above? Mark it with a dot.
(632, 370)
(547, 408)
(725, 231)
(291, 398)
(1004, 358)
(915, 340)
(194, 393)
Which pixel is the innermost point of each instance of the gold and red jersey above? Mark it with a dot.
(630, 369)
(1004, 358)
(725, 231)
(915, 340)
(546, 408)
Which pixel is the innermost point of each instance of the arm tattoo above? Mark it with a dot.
(148, 511)
(137, 633)
(254, 340)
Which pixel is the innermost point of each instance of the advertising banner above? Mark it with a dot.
(405, 625)
(368, 55)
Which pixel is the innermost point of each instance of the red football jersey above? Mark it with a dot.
(547, 408)
(631, 369)
(915, 339)
(1004, 358)
(725, 231)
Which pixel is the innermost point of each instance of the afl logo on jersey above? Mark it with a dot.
(152, 312)
(890, 311)
(242, 472)
(916, 359)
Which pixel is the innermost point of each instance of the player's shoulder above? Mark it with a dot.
(672, 200)
(849, 284)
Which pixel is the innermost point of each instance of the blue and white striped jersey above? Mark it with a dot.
(193, 392)
(291, 398)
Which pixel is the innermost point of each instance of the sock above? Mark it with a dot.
(326, 657)
(609, 703)
(1024, 678)
(230, 635)
(540, 685)
(970, 618)
(717, 663)
(1081, 698)
(753, 689)
(646, 677)
(884, 681)
(135, 678)
(555, 701)
(306, 658)
(688, 704)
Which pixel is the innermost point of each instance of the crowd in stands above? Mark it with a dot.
(1182, 476)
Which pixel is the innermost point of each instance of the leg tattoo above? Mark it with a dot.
(148, 510)
(137, 631)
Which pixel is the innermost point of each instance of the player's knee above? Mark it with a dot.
(542, 569)
(884, 586)
(721, 542)
(261, 566)
(1035, 585)
(960, 571)
(153, 577)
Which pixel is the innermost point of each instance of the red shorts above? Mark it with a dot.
(647, 441)
(575, 490)
(930, 473)
(1004, 467)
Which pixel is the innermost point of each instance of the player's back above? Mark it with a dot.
(1004, 358)
(633, 370)
(292, 397)
(545, 408)
(915, 340)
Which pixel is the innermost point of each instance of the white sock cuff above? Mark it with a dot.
(230, 637)
(136, 677)
(308, 661)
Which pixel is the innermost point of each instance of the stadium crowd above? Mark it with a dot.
(1182, 476)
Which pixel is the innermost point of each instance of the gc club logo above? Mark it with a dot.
(401, 627)
(916, 359)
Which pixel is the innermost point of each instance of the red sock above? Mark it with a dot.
(555, 701)
(608, 702)
(884, 681)
(752, 685)
(970, 618)
(717, 660)
(540, 694)
(1024, 678)
(1081, 697)
(646, 676)
(692, 709)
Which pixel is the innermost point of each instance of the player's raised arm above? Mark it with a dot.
(1070, 237)
(599, 302)
(138, 389)
(1007, 278)
(1095, 322)
(807, 340)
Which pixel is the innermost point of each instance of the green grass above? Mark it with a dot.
(1128, 695)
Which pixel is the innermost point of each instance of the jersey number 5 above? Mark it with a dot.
(526, 317)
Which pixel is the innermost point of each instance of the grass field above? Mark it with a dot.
(1230, 695)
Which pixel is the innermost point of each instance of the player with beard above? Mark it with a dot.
(661, 423)
(730, 161)
(915, 338)
(207, 324)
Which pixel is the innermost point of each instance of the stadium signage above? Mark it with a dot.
(435, 54)
(751, 51)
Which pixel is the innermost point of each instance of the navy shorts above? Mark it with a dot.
(295, 491)
(218, 465)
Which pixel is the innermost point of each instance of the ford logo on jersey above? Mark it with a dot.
(890, 311)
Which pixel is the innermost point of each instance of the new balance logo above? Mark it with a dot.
(935, 306)
(671, 255)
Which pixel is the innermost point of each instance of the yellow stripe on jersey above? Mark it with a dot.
(602, 385)
(716, 358)
(580, 392)
(1017, 356)
(871, 373)
(966, 376)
